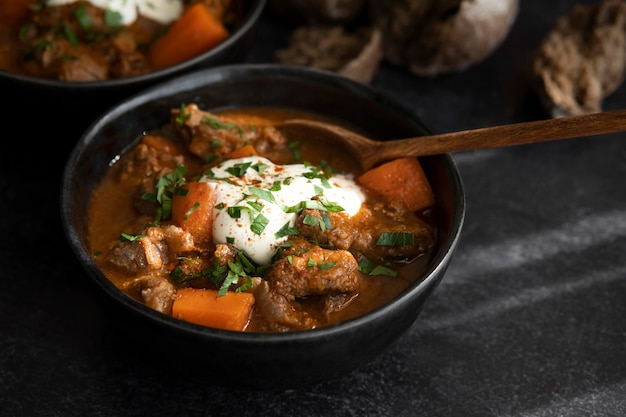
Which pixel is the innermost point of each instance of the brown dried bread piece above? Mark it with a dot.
(582, 59)
(432, 37)
(353, 54)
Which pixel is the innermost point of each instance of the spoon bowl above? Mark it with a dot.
(369, 152)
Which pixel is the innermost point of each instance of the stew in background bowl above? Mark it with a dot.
(69, 105)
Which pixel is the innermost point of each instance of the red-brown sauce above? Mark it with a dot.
(113, 211)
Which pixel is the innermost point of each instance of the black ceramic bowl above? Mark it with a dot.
(70, 106)
(261, 360)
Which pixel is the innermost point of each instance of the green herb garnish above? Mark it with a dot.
(395, 239)
(369, 268)
(167, 186)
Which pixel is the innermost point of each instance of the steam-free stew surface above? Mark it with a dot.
(92, 41)
(327, 269)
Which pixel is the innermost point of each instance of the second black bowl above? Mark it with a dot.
(66, 108)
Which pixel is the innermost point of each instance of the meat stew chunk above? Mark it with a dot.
(210, 136)
(383, 219)
(305, 270)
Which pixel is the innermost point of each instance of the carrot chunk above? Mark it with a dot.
(202, 306)
(195, 32)
(194, 211)
(242, 152)
(400, 180)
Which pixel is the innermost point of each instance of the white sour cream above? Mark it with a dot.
(285, 186)
(162, 11)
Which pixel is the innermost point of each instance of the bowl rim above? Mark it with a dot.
(253, 15)
(434, 272)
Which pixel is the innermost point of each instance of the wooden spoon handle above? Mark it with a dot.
(515, 134)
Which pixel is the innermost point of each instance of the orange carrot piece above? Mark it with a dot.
(13, 11)
(401, 180)
(195, 32)
(202, 306)
(194, 211)
(242, 152)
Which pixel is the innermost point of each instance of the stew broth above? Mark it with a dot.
(117, 208)
(79, 41)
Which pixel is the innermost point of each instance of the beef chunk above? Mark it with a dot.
(210, 136)
(153, 251)
(145, 164)
(305, 270)
(332, 229)
(156, 291)
(391, 218)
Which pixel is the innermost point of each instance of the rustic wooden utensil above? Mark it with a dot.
(370, 152)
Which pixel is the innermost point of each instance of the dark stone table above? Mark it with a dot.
(530, 319)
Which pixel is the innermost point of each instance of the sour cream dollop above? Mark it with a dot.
(256, 199)
(162, 11)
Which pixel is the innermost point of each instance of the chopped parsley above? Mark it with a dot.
(219, 125)
(236, 273)
(369, 268)
(167, 186)
(293, 147)
(125, 237)
(191, 210)
(259, 223)
(183, 116)
(286, 230)
(327, 265)
(395, 239)
(324, 223)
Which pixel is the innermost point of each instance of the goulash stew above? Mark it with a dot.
(220, 220)
(93, 40)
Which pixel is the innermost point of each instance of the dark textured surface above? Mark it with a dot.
(528, 321)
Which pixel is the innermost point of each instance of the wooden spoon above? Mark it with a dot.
(370, 152)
